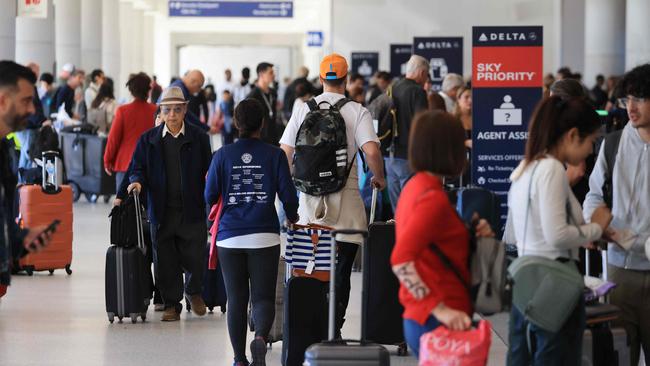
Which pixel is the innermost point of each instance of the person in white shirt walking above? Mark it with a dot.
(343, 209)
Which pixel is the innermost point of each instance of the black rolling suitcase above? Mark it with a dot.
(344, 352)
(127, 278)
(305, 318)
(214, 288)
(603, 344)
(381, 306)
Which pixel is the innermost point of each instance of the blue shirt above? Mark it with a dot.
(247, 175)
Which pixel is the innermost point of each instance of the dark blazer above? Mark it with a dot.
(148, 168)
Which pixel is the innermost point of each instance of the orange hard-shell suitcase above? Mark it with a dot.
(38, 208)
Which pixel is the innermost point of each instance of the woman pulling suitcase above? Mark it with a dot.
(247, 176)
(431, 294)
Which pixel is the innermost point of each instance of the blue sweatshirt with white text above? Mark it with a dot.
(247, 175)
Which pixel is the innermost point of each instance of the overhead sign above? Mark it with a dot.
(445, 56)
(507, 72)
(31, 8)
(365, 63)
(315, 39)
(226, 8)
(399, 56)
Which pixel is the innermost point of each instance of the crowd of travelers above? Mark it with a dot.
(185, 148)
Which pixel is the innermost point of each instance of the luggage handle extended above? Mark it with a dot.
(373, 205)
(139, 223)
(332, 292)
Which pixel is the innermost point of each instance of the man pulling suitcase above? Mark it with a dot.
(175, 186)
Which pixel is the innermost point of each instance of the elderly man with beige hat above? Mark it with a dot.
(170, 163)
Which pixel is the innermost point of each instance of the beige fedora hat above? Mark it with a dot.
(172, 95)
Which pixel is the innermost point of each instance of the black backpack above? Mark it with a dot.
(611, 142)
(384, 111)
(320, 161)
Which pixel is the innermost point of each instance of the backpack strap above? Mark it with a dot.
(612, 142)
(311, 103)
(343, 101)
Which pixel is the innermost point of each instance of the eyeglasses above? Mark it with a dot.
(623, 102)
(177, 109)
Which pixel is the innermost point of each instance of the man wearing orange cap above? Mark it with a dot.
(344, 209)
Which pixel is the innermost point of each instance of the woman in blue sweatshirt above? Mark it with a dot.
(247, 175)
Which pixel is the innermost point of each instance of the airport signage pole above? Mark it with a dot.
(445, 56)
(507, 72)
(399, 56)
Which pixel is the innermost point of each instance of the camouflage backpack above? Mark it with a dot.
(320, 161)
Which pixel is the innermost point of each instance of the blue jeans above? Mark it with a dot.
(397, 174)
(25, 137)
(561, 348)
(414, 330)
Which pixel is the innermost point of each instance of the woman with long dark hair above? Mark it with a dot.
(545, 220)
(102, 109)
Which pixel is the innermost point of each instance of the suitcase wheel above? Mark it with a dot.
(402, 349)
(76, 191)
(223, 309)
(134, 317)
(29, 270)
(143, 316)
(91, 197)
(107, 199)
(210, 308)
(51, 271)
(67, 269)
(111, 317)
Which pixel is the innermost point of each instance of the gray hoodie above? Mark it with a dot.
(631, 197)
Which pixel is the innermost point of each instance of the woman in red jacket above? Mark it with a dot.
(131, 121)
(430, 293)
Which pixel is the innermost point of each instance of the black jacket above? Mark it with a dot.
(148, 168)
(12, 248)
(270, 131)
(410, 98)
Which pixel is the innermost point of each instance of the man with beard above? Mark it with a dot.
(16, 104)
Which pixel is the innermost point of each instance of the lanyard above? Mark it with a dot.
(268, 103)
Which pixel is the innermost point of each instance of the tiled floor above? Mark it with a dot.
(61, 320)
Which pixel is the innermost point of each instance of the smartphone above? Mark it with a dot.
(50, 229)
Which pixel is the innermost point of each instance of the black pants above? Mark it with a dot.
(259, 267)
(178, 247)
(346, 254)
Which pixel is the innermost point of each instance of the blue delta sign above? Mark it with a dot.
(220, 8)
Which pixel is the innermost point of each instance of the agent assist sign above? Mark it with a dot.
(507, 72)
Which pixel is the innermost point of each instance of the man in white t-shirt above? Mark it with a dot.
(343, 209)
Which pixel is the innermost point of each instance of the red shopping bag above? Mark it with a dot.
(444, 347)
(215, 215)
(3, 290)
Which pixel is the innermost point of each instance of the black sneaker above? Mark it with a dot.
(258, 352)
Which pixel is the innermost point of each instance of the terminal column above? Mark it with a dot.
(7, 29)
(67, 28)
(35, 40)
(604, 38)
(637, 47)
(111, 40)
(91, 34)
